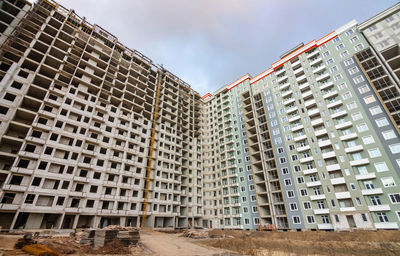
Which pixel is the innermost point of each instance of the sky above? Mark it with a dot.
(211, 43)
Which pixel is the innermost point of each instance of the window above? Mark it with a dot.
(375, 110)
(381, 167)
(337, 77)
(388, 182)
(303, 192)
(382, 217)
(356, 116)
(389, 134)
(325, 219)
(300, 180)
(348, 62)
(346, 95)
(369, 99)
(340, 46)
(310, 219)
(351, 105)
(374, 153)
(349, 32)
(342, 86)
(394, 198)
(326, 54)
(395, 148)
(296, 220)
(344, 54)
(307, 205)
(288, 182)
(336, 39)
(358, 47)
(368, 139)
(285, 171)
(290, 194)
(282, 160)
(363, 89)
(353, 70)
(354, 39)
(382, 122)
(362, 127)
(330, 61)
(293, 206)
(334, 69)
(358, 79)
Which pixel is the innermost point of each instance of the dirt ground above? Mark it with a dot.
(307, 242)
(230, 243)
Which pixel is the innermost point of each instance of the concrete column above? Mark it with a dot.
(122, 221)
(96, 221)
(59, 226)
(14, 220)
(76, 219)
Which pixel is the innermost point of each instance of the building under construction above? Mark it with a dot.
(93, 133)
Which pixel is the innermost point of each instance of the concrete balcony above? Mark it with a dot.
(280, 72)
(317, 122)
(306, 94)
(326, 85)
(306, 159)
(317, 197)
(297, 71)
(368, 192)
(297, 128)
(330, 94)
(334, 104)
(304, 86)
(310, 171)
(309, 103)
(324, 143)
(293, 119)
(354, 149)
(300, 138)
(333, 167)
(289, 101)
(344, 125)
(347, 209)
(328, 155)
(313, 112)
(316, 61)
(325, 226)
(284, 86)
(291, 110)
(285, 77)
(295, 64)
(319, 69)
(337, 181)
(320, 132)
(387, 225)
(359, 162)
(348, 136)
(314, 53)
(302, 149)
(339, 114)
(284, 95)
(313, 184)
(379, 208)
(367, 176)
(301, 78)
(323, 77)
(321, 211)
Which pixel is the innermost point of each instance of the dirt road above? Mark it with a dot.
(162, 244)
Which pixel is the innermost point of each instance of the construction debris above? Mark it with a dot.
(39, 250)
(26, 240)
(196, 234)
(98, 238)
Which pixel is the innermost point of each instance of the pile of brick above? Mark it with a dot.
(101, 237)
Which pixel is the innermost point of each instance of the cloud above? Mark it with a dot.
(211, 43)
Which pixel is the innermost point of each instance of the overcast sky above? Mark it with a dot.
(211, 43)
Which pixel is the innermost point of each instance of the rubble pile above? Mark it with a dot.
(196, 234)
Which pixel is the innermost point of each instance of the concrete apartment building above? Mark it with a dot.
(93, 133)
